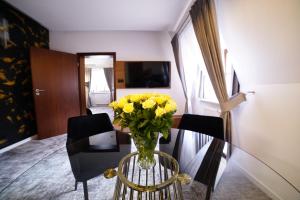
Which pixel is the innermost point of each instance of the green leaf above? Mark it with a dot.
(147, 114)
(132, 124)
(116, 120)
(165, 134)
(143, 123)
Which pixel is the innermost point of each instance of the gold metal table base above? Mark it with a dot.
(163, 181)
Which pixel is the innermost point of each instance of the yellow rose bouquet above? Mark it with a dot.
(146, 115)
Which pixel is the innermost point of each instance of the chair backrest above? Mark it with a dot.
(83, 126)
(208, 125)
(88, 111)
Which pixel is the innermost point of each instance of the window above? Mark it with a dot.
(228, 71)
(98, 81)
(192, 62)
(206, 90)
(197, 79)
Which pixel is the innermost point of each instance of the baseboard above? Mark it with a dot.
(18, 144)
(269, 181)
(258, 183)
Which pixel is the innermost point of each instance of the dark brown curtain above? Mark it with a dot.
(88, 88)
(235, 84)
(176, 51)
(108, 72)
(203, 16)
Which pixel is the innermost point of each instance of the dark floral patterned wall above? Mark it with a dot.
(18, 33)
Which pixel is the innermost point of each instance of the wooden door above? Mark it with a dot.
(82, 92)
(55, 90)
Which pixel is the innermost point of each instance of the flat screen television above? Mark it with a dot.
(147, 74)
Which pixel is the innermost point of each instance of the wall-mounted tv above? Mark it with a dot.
(147, 74)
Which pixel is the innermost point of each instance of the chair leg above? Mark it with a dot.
(85, 190)
(208, 193)
(76, 182)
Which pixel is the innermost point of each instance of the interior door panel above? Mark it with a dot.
(55, 90)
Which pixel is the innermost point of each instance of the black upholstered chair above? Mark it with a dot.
(84, 126)
(88, 111)
(79, 130)
(211, 126)
(208, 125)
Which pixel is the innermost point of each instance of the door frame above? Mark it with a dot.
(81, 76)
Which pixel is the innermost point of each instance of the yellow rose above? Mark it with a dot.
(135, 98)
(128, 108)
(113, 105)
(168, 97)
(159, 111)
(149, 103)
(160, 99)
(122, 102)
(146, 96)
(170, 106)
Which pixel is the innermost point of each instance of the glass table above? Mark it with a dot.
(218, 169)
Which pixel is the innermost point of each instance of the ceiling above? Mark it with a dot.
(95, 15)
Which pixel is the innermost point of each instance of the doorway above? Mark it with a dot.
(97, 82)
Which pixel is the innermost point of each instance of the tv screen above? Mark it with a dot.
(147, 74)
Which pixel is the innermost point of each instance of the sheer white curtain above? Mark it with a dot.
(98, 81)
(191, 61)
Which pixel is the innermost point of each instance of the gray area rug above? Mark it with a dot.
(40, 169)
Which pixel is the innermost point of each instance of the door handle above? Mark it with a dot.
(37, 91)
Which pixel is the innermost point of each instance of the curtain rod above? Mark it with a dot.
(186, 18)
(184, 24)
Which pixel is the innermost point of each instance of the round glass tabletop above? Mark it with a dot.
(48, 169)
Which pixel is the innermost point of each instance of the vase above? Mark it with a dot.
(145, 145)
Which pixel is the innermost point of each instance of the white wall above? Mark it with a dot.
(263, 39)
(129, 46)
